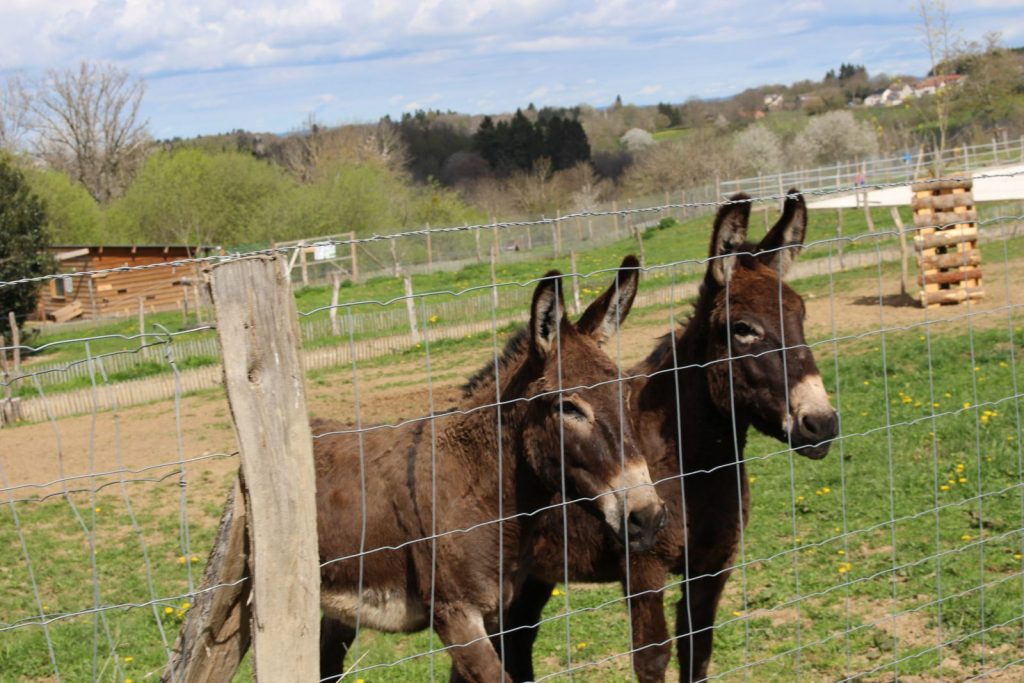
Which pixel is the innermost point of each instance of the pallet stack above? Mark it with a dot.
(946, 241)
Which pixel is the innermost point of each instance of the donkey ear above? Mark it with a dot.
(604, 316)
(546, 312)
(784, 241)
(729, 234)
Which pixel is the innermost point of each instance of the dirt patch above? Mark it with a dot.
(856, 308)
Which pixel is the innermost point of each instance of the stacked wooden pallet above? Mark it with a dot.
(946, 241)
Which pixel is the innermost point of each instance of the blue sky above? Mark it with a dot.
(266, 65)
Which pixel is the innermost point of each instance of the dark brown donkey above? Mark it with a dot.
(740, 361)
(430, 550)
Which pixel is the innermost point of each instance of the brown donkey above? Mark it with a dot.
(740, 361)
(423, 546)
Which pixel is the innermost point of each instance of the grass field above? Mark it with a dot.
(898, 555)
(678, 242)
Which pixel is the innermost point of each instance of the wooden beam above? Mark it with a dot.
(215, 636)
(258, 331)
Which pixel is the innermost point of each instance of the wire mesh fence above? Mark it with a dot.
(896, 555)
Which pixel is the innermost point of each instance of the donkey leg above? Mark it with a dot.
(521, 628)
(335, 640)
(462, 629)
(695, 624)
(652, 647)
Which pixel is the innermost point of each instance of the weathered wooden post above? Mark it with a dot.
(430, 249)
(216, 635)
(259, 339)
(494, 279)
(904, 252)
(355, 258)
(410, 309)
(947, 241)
(333, 313)
(575, 283)
(142, 321)
(15, 342)
(839, 237)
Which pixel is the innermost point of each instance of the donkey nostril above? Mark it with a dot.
(635, 522)
(819, 426)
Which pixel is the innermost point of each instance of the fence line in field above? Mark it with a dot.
(469, 304)
(162, 386)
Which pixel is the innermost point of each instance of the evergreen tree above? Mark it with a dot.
(485, 141)
(525, 142)
(23, 243)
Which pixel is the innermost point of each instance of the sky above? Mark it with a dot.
(268, 65)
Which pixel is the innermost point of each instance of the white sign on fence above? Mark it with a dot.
(323, 252)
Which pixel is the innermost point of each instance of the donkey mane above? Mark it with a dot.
(514, 351)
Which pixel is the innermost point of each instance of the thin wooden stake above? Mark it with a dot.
(410, 309)
(839, 236)
(430, 249)
(355, 259)
(333, 313)
(575, 283)
(142, 321)
(494, 280)
(15, 342)
(868, 218)
(259, 340)
(904, 252)
(640, 245)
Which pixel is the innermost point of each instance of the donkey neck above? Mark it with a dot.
(679, 394)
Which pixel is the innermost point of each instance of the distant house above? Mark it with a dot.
(896, 94)
(101, 293)
(930, 85)
(773, 102)
(873, 100)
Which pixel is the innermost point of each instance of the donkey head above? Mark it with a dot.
(756, 325)
(578, 426)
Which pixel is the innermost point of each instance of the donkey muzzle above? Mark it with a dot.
(812, 433)
(643, 525)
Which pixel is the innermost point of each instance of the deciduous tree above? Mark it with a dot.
(89, 124)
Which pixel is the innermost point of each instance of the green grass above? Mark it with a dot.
(816, 592)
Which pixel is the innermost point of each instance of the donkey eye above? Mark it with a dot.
(570, 410)
(744, 331)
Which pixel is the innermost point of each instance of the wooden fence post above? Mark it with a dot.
(904, 253)
(867, 213)
(215, 636)
(430, 249)
(355, 259)
(333, 313)
(259, 340)
(15, 342)
(410, 309)
(142, 321)
(575, 283)
(494, 279)
(640, 244)
(304, 266)
(615, 217)
(839, 236)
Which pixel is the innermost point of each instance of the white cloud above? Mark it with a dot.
(649, 90)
